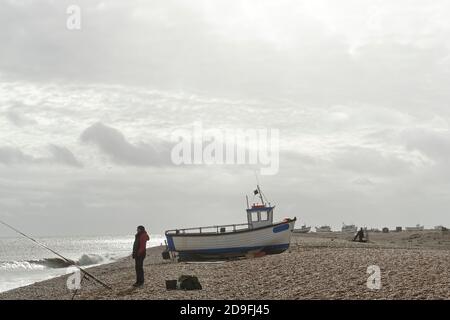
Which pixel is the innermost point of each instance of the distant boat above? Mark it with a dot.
(323, 229)
(260, 235)
(303, 229)
(349, 228)
(418, 227)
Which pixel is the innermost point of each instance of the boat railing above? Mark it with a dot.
(211, 229)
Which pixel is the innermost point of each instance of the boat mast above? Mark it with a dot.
(260, 194)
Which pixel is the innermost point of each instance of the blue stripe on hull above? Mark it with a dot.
(170, 243)
(280, 228)
(231, 252)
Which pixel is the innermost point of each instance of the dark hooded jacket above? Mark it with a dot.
(139, 245)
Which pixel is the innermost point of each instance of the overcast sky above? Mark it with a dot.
(358, 89)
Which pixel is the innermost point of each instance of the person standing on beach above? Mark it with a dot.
(139, 252)
(360, 235)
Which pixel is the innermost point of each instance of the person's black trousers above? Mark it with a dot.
(139, 261)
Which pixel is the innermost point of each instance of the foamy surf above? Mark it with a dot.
(55, 263)
(15, 265)
(23, 263)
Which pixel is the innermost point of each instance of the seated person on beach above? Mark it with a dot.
(139, 252)
(360, 235)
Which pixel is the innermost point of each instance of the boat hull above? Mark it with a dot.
(305, 230)
(272, 239)
(320, 230)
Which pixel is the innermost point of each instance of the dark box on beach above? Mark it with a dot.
(166, 255)
(171, 284)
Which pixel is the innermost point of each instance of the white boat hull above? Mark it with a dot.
(414, 228)
(270, 239)
(302, 230)
(323, 230)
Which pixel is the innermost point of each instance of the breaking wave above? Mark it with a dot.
(55, 263)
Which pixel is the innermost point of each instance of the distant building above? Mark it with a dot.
(385, 230)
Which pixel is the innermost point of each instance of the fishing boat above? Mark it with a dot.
(259, 236)
(418, 227)
(303, 229)
(349, 228)
(323, 229)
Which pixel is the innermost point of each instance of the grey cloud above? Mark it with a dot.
(64, 156)
(292, 159)
(435, 144)
(369, 161)
(113, 143)
(178, 45)
(9, 155)
(362, 181)
(59, 155)
(18, 118)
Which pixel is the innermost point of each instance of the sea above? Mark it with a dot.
(23, 262)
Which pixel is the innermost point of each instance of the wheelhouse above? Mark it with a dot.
(259, 215)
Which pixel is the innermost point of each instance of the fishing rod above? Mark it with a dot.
(56, 253)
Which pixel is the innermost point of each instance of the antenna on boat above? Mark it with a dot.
(260, 194)
(258, 190)
(85, 273)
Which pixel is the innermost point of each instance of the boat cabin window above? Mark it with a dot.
(264, 216)
(255, 215)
